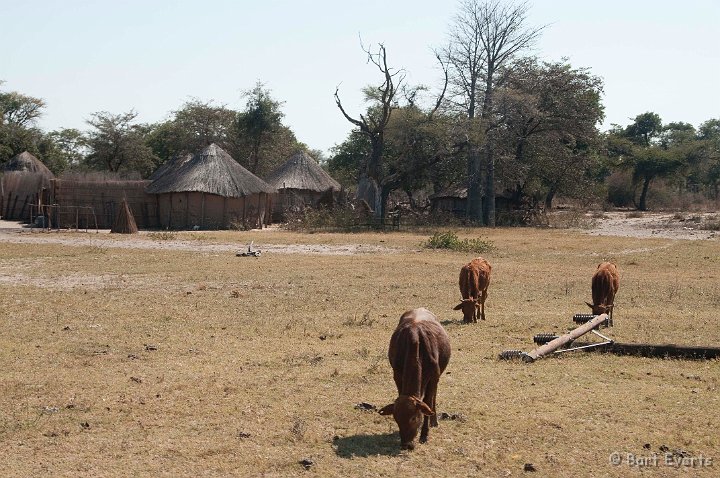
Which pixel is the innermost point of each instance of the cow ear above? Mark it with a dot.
(387, 409)
(423, 408)
(458, 307)
(589, 304)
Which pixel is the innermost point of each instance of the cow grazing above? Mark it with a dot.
(474, 282)
(605, 283)
(419, 352)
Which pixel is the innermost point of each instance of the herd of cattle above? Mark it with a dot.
(419, 348)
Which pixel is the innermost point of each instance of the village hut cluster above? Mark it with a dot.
(205, 190)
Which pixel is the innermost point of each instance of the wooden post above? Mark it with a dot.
(564, 339)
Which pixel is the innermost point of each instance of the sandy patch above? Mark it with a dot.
(13, 232)
(655, 225)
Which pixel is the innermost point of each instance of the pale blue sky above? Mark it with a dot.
(88, 56)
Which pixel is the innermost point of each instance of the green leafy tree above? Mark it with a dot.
(347, 157)
(651, 155)
(709, 151)
(63, 150)
(260, 124)
(117, 144)
(18, 116)
(194, 126)
(549, 142)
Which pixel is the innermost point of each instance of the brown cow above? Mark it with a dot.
(419, 352)
(605, 283)
(474, 282)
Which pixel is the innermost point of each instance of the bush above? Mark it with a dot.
(620, 191)
(339, 218)
(450, 240)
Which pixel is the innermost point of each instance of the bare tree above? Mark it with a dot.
(373, 125)
(485, 35)
(377, 178)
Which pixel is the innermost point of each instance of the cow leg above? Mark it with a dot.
(430, 396)
(425, 429)
(482, 304)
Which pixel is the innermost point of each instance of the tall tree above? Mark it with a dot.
(372, 125)
(485, 36)
(63, 149)
(259, 123)
(400, 161)
(192, 127)
(709, 148)
(18, 131)
(117, 144)
(651, 156)
(550, 113)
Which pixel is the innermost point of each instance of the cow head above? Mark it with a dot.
(469, 309)
(600, 308)
(408, 412)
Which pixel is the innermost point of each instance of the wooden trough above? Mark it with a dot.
(552, 344)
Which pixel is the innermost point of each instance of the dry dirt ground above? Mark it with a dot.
(622, 224)
(135, 356)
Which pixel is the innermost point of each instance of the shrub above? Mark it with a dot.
(339, 218)
(450, 240)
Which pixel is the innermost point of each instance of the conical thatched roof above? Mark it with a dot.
(27, 162)
(172, 163)
(301, 171)
(211, 171)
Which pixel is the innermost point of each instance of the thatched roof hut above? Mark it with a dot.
(211, 190)
(24, 181)
(173, 163)
(28, 163)
(300, 182)
(454, 199)
(302, 172)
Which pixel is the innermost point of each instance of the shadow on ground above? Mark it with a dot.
(387, 444)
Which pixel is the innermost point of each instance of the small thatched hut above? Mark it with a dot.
(24, 184)
(300, 182)
(454, 200)
(211, 191)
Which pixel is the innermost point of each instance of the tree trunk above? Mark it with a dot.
(489, 157)
(489, 205)
(549, 198)
(642, 204)
(474, 193)
(369, 191)
(384, 195)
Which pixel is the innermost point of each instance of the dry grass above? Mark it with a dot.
(160, 362)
